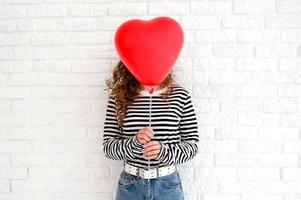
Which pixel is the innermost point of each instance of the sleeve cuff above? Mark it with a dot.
(162, 152)
(136, 143)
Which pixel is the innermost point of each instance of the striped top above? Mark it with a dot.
(174, 124)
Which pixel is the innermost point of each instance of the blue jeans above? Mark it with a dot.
(132, 187)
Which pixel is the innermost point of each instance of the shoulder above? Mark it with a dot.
(181, 91)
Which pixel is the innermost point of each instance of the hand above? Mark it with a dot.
(145, 135)
(151, 150)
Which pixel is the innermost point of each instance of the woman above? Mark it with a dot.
(152, 129)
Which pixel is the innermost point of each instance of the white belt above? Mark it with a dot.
(149, 174)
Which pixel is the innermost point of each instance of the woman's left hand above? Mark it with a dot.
(152, 149)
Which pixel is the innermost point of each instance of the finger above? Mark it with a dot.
(144, 137)
(148, 132)
(151, 153)
(142, 141)
(154, 147)
(151, 143)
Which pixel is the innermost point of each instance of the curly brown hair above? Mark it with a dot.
(125, 88)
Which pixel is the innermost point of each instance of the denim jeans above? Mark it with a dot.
(132, 187)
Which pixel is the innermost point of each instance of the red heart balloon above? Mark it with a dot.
(149, 49)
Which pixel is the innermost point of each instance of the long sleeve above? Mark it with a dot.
(186, 149)
(115, 145)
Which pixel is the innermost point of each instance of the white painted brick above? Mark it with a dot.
(257, 64)
(242, 105)
(232, 50)
(291, 36)
(84, 38)
(204, 159)
(216, 77)
(183, 64)
(219, 146)
(87, 92)
(291, 173)
(53, 38)
(207, 36)
(50, 66)
(20, 195)
(112, 22)
(127, 9)
(10, 39)
(27, 52)
(50, 106)
(76, 24)
(256, 90)
(49, 92)
(214, 91)
(206, 105)
(216, 173)
(86, 10)
(191, 77)
(276, 50)
(4, 159)
(13, 172)
(258, 173)
(51, 146)
(279, 105)
(277, 159)
(290, 119)
(211, 7)
(283, 21)
(293, 6)
(8, 25)
(47, 133)
(259, 36)
(242, 133)
(254, 6)
(4, 185)
(14, 92)
(5, 105)
(214, 118)
(264, 146)
(52, 185)
(238, 187)
(292, 146)
(200, 22)
(35, 24)
(214, 63)
(261, 196)
(243, 21)
(14, 146)
(235, 159)
(42, 172)
(50, 10)
(166, 8)
(258, 119)
(289, 90)
(86, 146)
(12, 11)
(278, 133)
(48, 159)
(196, 50)
(97, 160)
(200, 186)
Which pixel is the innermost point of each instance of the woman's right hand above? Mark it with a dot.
(145, 135)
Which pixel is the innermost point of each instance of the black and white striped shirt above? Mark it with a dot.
(174, 125)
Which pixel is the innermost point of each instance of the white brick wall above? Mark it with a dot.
(241, 62)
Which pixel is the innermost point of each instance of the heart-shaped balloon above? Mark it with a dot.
(149, 49)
